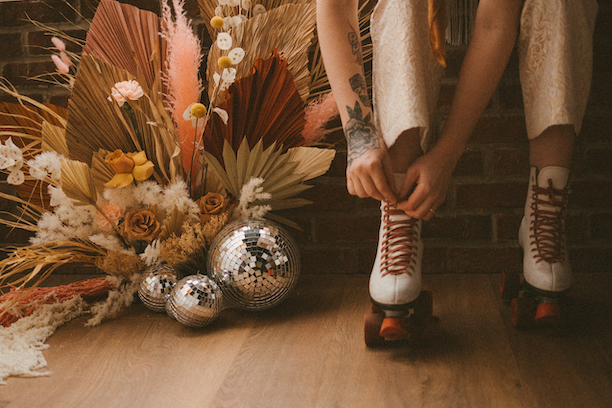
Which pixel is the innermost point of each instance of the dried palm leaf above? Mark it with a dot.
(283, 174)
(128, 37)
(173, 224)
(148, 127)
(54, 139)
(262, 106)
(207, 9)
(77, 183)
(259, 35)
(101, 171)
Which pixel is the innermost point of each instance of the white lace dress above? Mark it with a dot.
(555, 53)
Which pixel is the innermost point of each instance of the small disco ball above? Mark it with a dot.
(255, 262)
(195, 301)
(156, 286)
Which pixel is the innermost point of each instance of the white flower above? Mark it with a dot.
(59, 44)
(152, 253)
(233, 3)
(229, 75)
(46, 164)
(246, 4)
(124, 197)
(219, 11)
(176, 196)
(251, 192)
(237, 20)
(124, 90)
(58, 197)
(10, 155)
(222, 114)
(148, 192)
(223, 2)
(224, 41)
(236, 55)
(16, 166)
(258, 9)
(15, 177)
(60, 65)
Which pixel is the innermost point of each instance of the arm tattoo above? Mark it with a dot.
(361, 134)
(359, 86)
(353, 40)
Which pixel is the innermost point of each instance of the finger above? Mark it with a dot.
(371, 189)
(409, 184)
(384, 180)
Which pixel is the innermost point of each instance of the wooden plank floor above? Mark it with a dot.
(309, 352)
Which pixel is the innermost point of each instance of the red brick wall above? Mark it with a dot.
(476, 229)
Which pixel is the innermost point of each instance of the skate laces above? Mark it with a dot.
(400, 242)
(548, 210)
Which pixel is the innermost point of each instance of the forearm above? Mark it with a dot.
(338, 32)
(493, 39)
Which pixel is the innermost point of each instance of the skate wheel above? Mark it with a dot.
(522, 311)
(372, 325)
(420, 321)
(509, 285)
(548, 313)
(394, 328)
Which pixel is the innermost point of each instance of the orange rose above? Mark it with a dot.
(210, 204)
(119, 161)
(141, 224)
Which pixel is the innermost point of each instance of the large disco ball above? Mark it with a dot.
(255, 262)
(156, 285)
(195, 301)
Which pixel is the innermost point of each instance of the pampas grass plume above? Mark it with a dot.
(318, 113)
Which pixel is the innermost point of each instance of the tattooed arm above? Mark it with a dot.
(369, 172)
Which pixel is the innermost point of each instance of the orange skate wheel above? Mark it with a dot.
(548, 313)
(522, 311)
(509, 285)
(372, 325)
(394, 328)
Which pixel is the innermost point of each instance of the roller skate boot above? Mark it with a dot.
(547, 273)
(400, 310)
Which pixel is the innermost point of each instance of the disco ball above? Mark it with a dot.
(255, 262)
(195, 301)
(156, 285)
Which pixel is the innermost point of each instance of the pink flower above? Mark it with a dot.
(113, 212)
(124, 90)
(60, 65)
(59, 44)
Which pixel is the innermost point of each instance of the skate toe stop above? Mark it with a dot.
(394, 328)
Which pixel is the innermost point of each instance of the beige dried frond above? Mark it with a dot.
(288, 28)
(121, 264)
(128, 37)
(173, 225)
(109, 127)
(54, 139)
(101, 171)
(77, 183)
(283, 174)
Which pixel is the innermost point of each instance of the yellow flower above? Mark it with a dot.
(144, 171)
(120, 180)
(225, 62)
(139, 158)
(119, 161)
(198, 110)
(216, 22)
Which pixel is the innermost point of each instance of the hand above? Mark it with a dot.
(371, 175)
(425, 185)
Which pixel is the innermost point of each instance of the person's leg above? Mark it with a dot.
(554, 62)
(405, 88)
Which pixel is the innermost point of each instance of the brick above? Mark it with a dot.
(433, 259)
(10, 46)
(458, 228)
(596, 129)
(490, 195)
(366, 254)
(576, 229)
(591, 259)
(471, 163)
(591, 194)
(508, 226)
(454, 59)
(485, 260)
(447, 92)
(509, 162)
(318, 261)
(346, 229)
(510, 96)
(601, 226)
(18, 73)
(13, 14)
(39, 42)
(59, 100)
(329, 197)
(600, 92)
(598, 161)
(338, 165)
(500, 129)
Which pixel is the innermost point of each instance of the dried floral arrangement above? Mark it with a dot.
(149, 161)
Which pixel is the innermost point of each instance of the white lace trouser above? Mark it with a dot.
(555, 64)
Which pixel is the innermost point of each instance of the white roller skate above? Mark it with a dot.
(400, 310)
(546, 268)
